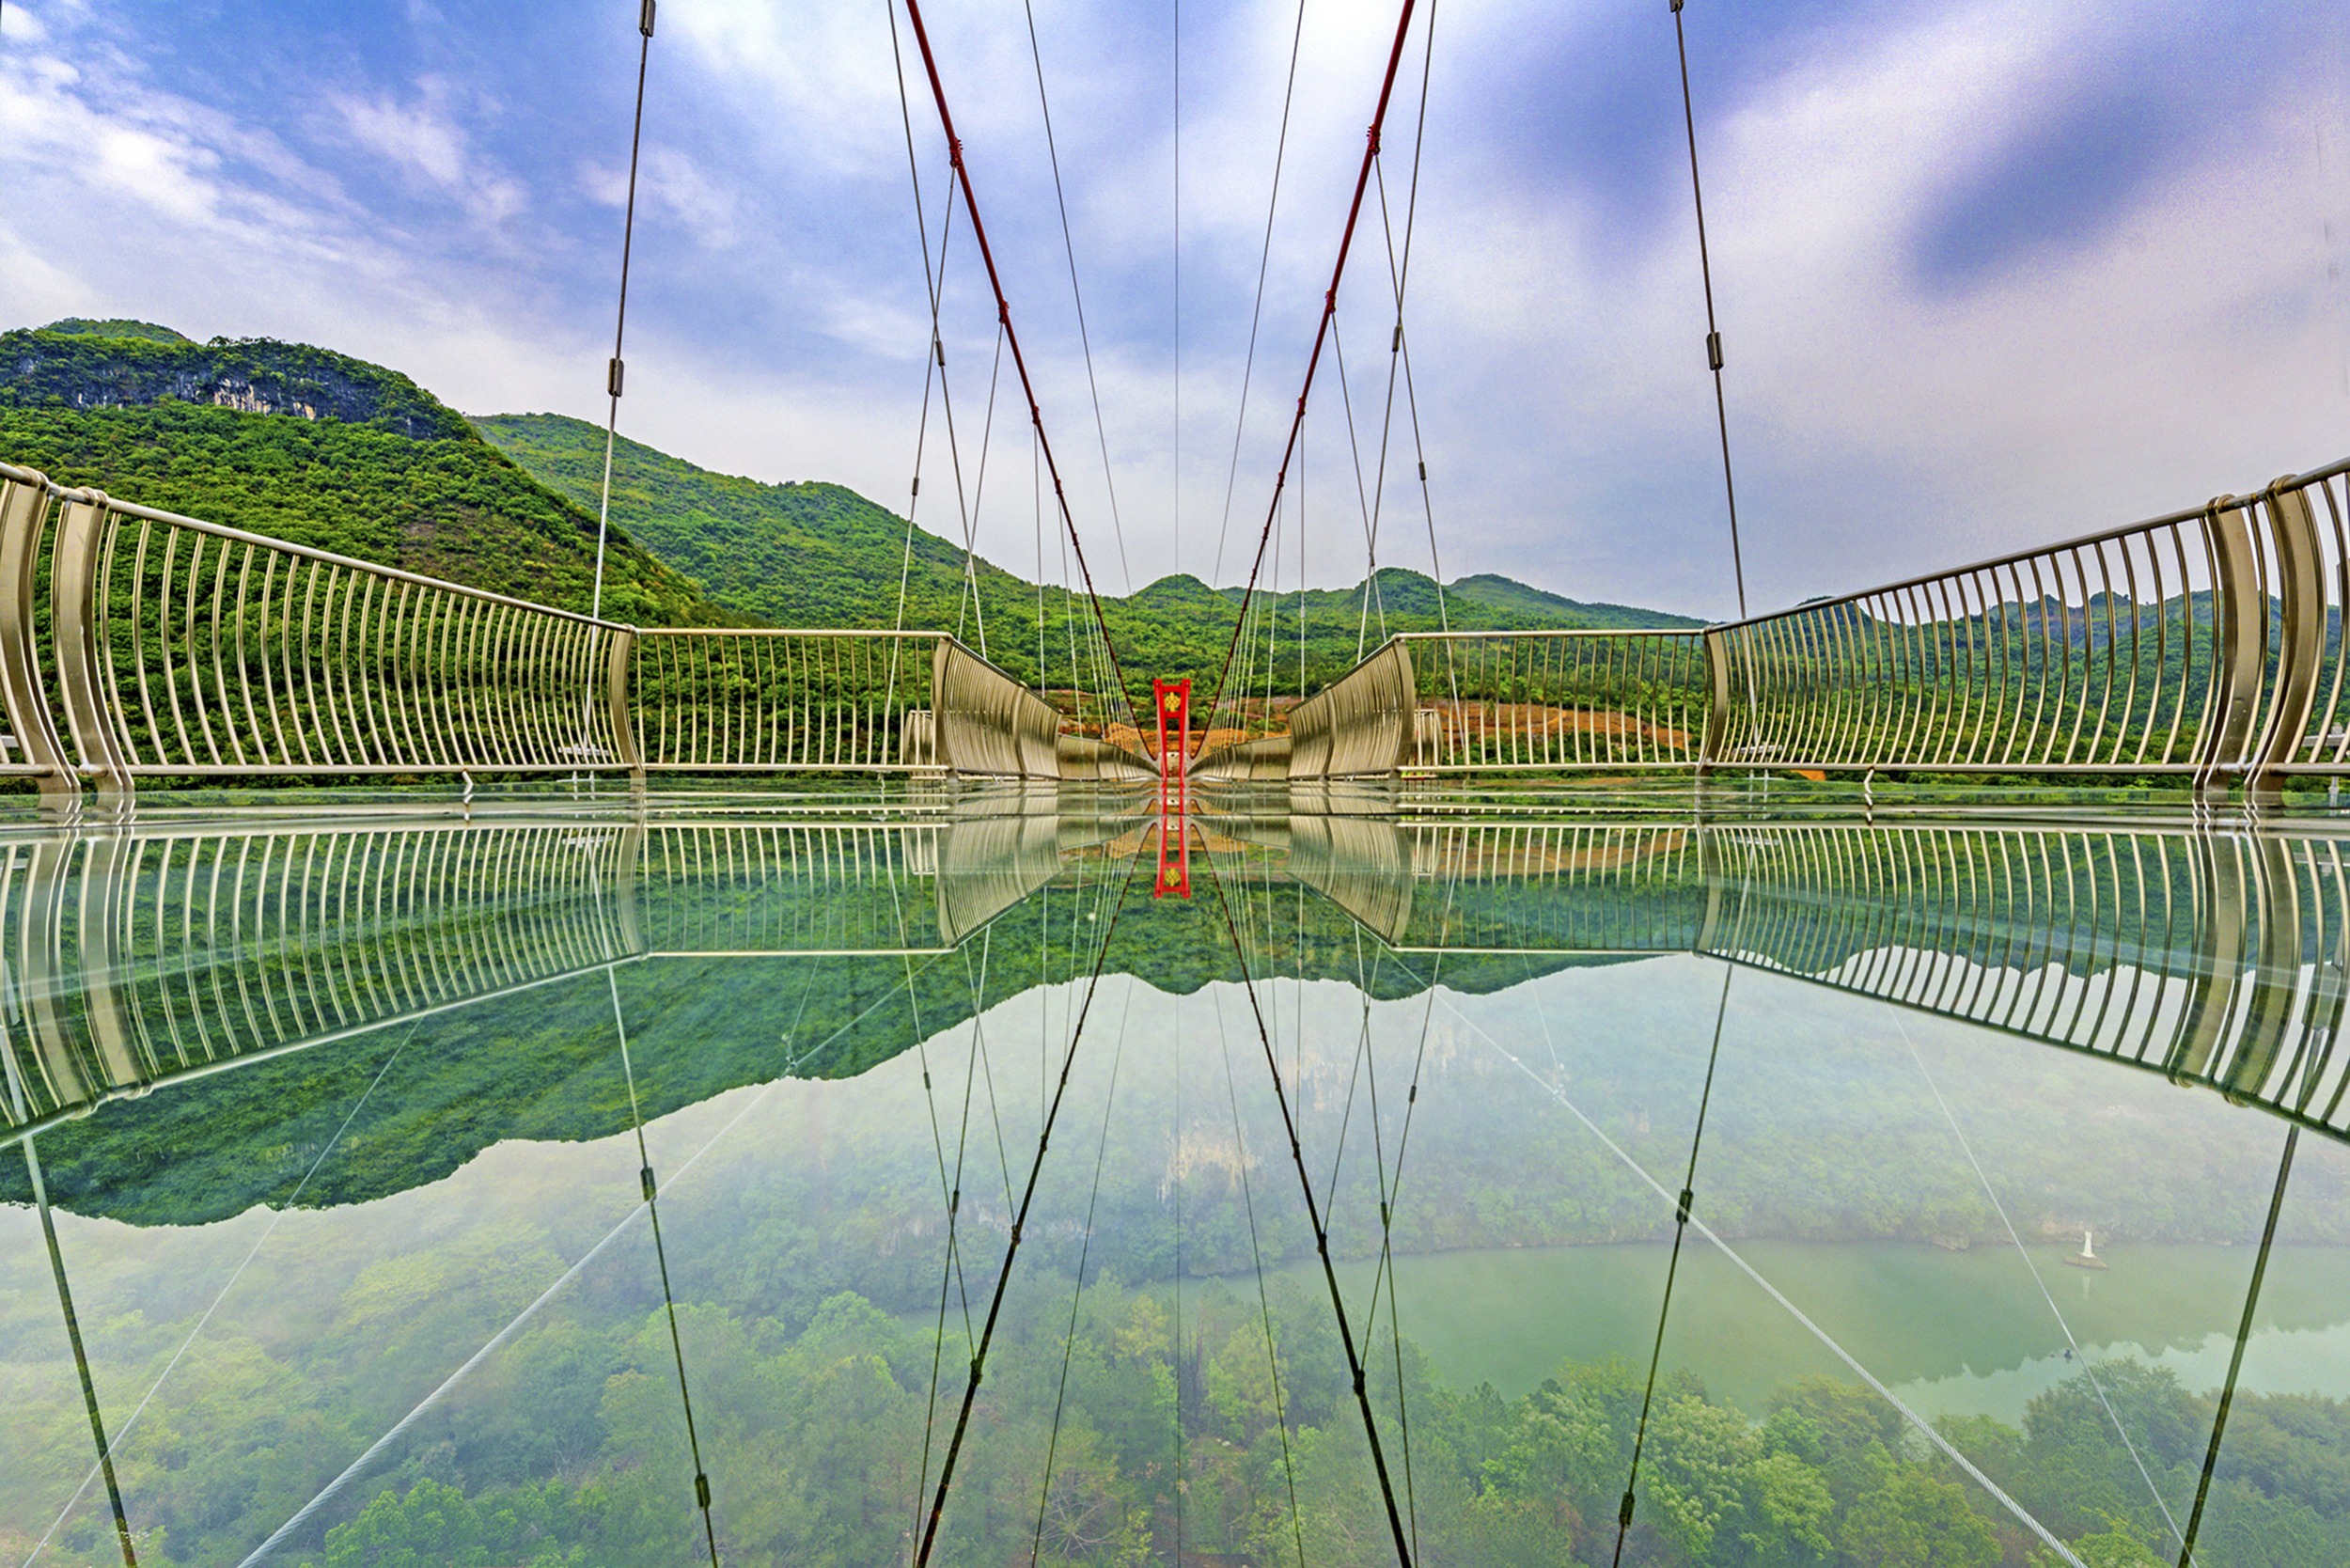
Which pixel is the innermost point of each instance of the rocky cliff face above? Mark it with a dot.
(67, 365)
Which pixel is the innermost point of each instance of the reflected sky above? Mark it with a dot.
(912, 1184)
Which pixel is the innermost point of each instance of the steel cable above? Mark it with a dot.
(1321, 1235)
(1712, 333)
(1003, 1277)
(1672, 1266)
(619, 325)
(1085, 340)
(1264, 259)
(661, 1256)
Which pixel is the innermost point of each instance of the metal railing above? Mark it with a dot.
(2207, 644)
(137, 957)
(141, 644)
(2197, 643)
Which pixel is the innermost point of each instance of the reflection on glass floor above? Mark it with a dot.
(912, 1187)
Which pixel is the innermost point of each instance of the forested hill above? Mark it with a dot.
(307, 444)
(816, 553)
(316, 448)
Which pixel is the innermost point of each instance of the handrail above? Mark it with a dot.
(172, 647)
(2206, 643)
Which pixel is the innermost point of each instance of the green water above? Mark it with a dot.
(1950, 1332)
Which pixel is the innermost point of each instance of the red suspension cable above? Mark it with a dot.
(1322, 332)
(1003, 314)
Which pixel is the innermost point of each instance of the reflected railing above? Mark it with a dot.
(140, 957)
(2220, 959)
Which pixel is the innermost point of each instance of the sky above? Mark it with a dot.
(1988, 273)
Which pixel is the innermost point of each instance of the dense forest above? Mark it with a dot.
(816, 553)
(318, 449)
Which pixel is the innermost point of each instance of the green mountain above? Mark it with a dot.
(811, 554)
(320, 448)
(315, 447)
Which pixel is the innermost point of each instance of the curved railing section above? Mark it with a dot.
(2207, 644)
(139, 958)
(142, 644)
(2203, 643)
(2215, 959)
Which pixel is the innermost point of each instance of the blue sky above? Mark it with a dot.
(1988, 274)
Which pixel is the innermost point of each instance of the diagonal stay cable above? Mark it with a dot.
(1321, 1235)
(619, 323)
(1256, 312)
(2001, 1209)
(1011, 335)
(1322, 332)
(1875, 1384)
(472, 1363)
(1003, 1277)
(1712, 333)
(1672, 1266)
(1076, 1296)
(276, 1217)
(1085, 340)
(661, 1256)
(1264, 1300)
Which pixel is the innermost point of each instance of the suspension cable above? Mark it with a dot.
(1712, 333)
(1264, 260)
(1085, 341)
(1264, 1300)
(1003, 314)
(1673, 1267)
(1399, 352)
(619, 325)
(1322, 332)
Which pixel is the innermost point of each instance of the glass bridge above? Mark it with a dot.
(890, 1177)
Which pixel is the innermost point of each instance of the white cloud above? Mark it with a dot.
(422, 138)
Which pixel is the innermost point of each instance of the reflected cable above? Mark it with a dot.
(653, 1210)
(491, 1347)
(1019, 1217)
(613, 371)
(1321, 1234)
(1265, 1299)
(1876, 1384)
(276, 1214)
(1673, 1269)
(1713, 334)
(81, 1359)
(2073, 1345)
(1076, 1296)
(2243, 1336)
